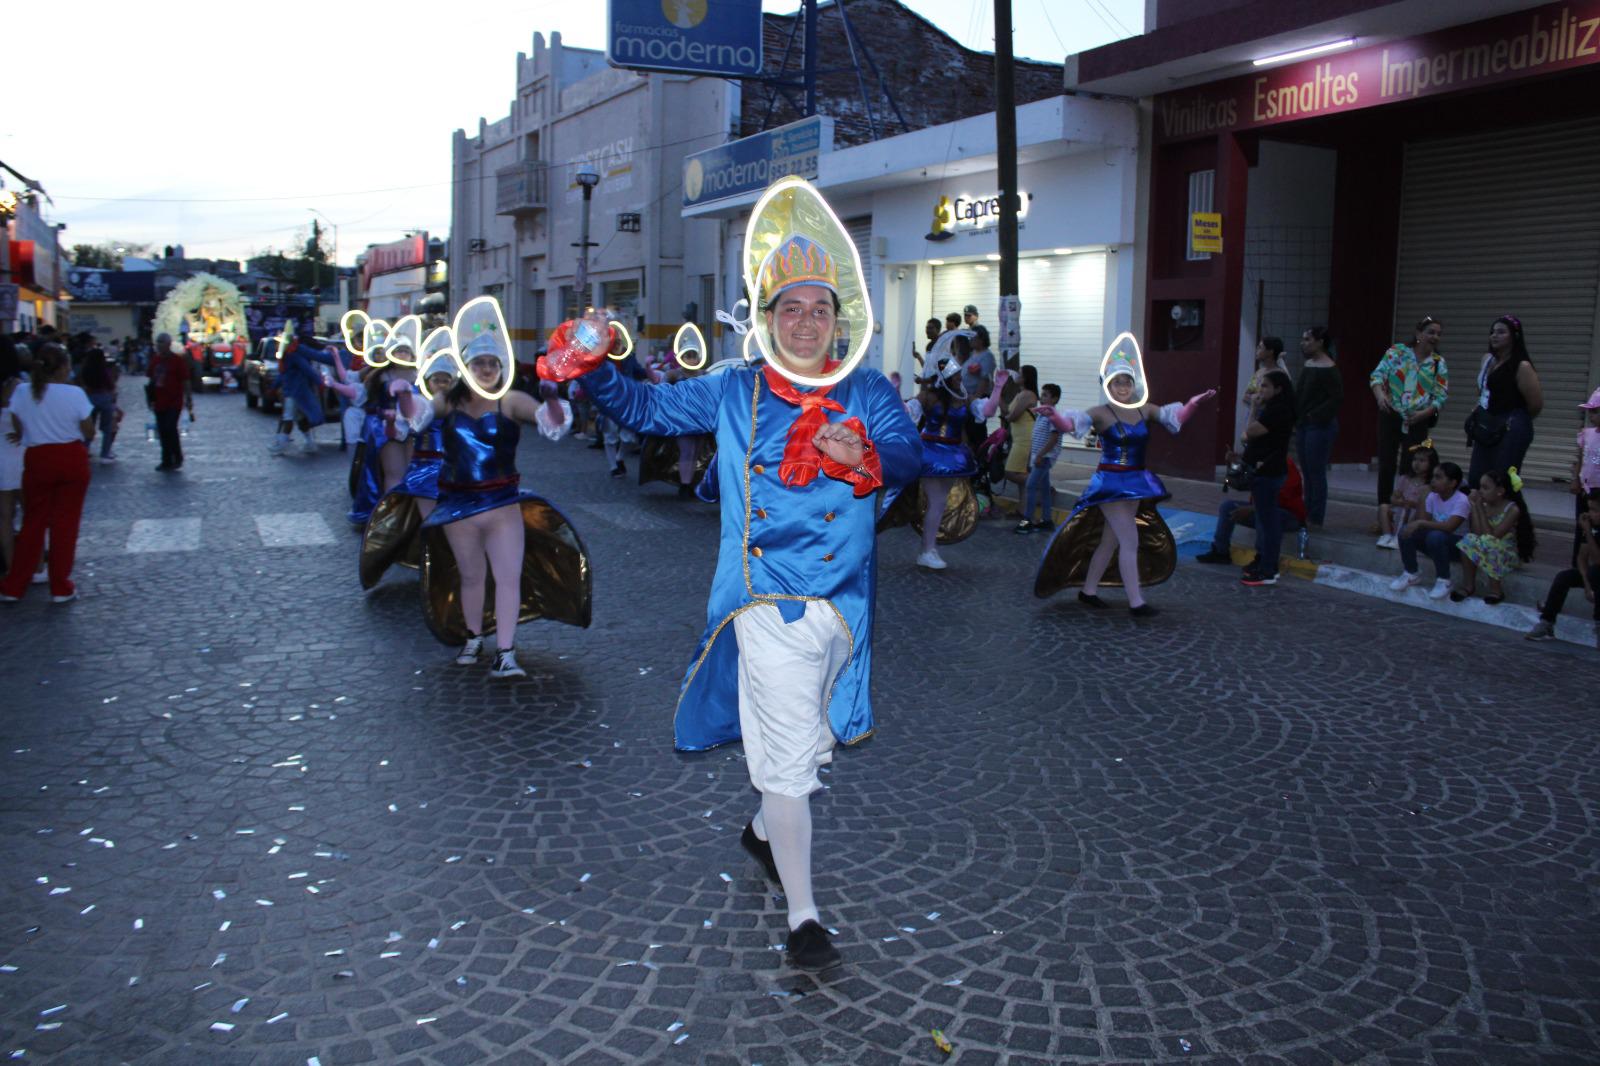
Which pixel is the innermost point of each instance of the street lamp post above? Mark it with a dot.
(335, 226)
(588, 179)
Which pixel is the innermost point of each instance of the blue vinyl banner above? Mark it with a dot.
(715, 37)
(752, 163)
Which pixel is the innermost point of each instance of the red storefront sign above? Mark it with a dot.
(1543, 40)
(396, 255)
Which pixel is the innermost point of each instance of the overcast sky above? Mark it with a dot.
(219, 126)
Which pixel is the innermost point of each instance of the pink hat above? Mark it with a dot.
(1594, 400)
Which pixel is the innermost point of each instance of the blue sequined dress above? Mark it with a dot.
(944, 448)
(1121, 475)
(479, 474)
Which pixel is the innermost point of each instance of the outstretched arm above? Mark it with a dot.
(680, 410)
(1173, 415)
(1071, 422)
(988, 406)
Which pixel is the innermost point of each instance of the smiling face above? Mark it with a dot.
(485, 370)
(1428, 337)
(1121, 388)
(801, 323)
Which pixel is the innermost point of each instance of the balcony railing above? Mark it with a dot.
(520, 188)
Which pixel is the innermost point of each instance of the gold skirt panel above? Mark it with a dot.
(391, 538)
(1066, 560)
(557, 581)
(960, 519)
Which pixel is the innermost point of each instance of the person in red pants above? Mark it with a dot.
(54, 422)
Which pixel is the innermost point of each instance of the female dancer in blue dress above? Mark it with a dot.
(392, 533)
(1118, 509)
(484, 523)
(384, 451)
(948, 464)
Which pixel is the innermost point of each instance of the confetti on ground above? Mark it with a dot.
(52, 1010)
(238, 1005)
(584, 879)
(388, 954)
(60, 890)
(217, 893)
(953, 982)
(263, 903)
(138, 923)
(48, 1027)
(225, 926)
(932, 916)
(681, 1039)
(940, 1042)
(457, 925)
(8, 968)
(276, 1018)
(1185, 1044)
(674, 1027)
(426, 1021)
(222, 957)
(726, 878)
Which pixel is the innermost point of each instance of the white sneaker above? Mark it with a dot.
(278, 446)
(308, 447)
(39, 577)
(68, 598)
(468, 655)
(1405, 581)
(505, 665)
(1387, 541)
(931, 560)
(1441, 589)
(107, 460)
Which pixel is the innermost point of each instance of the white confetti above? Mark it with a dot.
(457, 925)
(426, 1021)
(60, 890)
(263, 903)
(890, 939)
(217, 893)
(334, 954)
(87, 909)
(8, 968)
(392, 937)
(388, 954)
(222, 957)
(706, 924)
(313, 1061)
(453, 858)
(138, 923)
(726, 878)
(48, 1027)
(674, 1027)
(932, 916)
(953, 982)
(584, 879)
(238, 1005)
(276, 1018)
(225, 926)
(297, 807)
(681, 1039)
(52, 1010)
(433, 944)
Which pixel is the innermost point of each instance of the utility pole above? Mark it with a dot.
(1005, 127)
(811, 57)
(588, 179)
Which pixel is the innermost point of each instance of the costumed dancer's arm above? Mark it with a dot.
(986, 408)
(417, 414)
(1174, 415)
(1073, 423)
(896, 444)
(680, 410)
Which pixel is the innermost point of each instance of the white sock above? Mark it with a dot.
(788, 820)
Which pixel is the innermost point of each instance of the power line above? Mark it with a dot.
(1109, 17)
(1045, 8)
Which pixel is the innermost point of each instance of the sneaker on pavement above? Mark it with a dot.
(1406, 580)
(39, 577)
(470, 651)
(68, 598)
(1023, 527)
(9, 599)
(1541, 630)
(1441, 589)
(809, 947)
(931, 560)
(1387, 541)
(107, 460)
(1215, 558)
(619, 471)
(505, 664)
(1257, 580)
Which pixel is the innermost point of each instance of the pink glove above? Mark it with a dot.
(398, 386)
(1193, 402)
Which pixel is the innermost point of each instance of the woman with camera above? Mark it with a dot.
(1266, 451)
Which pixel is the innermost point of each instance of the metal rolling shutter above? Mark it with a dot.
(1063, 314)
(1507, 222)
(860, 230)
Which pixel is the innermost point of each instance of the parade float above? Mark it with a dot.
(205, 314)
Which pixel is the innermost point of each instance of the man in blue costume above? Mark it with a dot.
(785, 659)
(302, 402)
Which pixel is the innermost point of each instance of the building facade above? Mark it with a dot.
(919, 207)
(516, 207)
(1436, 159)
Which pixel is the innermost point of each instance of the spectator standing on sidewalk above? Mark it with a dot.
(1043, 450)
(1586, 467)
(1266, 448)
(98, 376)
(1584, 574)
(169, 395)
(54, 422)
(1317, 399)
(1410, 384)
(1437, 532)
(1509, 399)
(1269, 356)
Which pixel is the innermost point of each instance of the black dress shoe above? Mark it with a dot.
(809, 948)
(761, 851)
(1144, 610)
(1091, 601)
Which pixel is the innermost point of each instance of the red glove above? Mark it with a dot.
(576, 347)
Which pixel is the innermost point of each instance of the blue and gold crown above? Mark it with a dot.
(797, 260)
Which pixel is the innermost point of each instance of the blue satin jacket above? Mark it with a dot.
(300, 379)
(783, 545)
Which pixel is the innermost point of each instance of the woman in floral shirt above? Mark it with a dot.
(1410, 384)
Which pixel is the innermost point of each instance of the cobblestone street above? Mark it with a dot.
(253, 815)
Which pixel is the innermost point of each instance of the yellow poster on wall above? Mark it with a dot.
(1205, 232)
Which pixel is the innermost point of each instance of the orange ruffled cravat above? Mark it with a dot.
(801, 459)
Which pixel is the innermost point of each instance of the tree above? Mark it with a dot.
(107, 255)
(304, 269)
